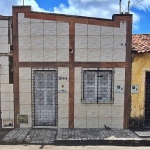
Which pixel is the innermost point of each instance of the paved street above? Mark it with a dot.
(47, 147)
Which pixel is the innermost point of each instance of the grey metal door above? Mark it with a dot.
(45, 97)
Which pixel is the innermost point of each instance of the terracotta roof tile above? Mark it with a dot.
(141, 43)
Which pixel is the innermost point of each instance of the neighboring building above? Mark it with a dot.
(6, 77)
(71, 71)
(140, 89)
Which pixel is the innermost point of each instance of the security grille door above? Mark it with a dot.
(45, 94)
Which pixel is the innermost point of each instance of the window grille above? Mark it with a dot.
(97, 86)
(44, 97)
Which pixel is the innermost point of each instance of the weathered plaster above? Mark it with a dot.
(140, 65)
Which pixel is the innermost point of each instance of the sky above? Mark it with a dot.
(92, 8)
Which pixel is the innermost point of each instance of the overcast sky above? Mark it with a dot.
(92, 8)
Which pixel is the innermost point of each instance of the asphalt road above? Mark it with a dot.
(48, 147)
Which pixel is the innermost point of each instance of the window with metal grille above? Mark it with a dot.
(97, 86)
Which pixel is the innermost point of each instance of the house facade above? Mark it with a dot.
(140, 104)
(71, 71)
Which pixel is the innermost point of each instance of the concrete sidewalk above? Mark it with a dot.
(65, 136)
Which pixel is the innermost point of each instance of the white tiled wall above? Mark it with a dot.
(98, 115)
(63, 98)
(43, 41)
(109, 42)
(25, 94)
(6, 94)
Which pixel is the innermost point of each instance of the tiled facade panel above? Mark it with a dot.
(108, 42)
(63, 97)
(42, 40)
(7, 96)
(25, 94)
(4, 46)
(98, 115)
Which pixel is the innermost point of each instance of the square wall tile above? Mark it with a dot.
(5, 106)
(25, 98)
(5, 97)
(81, 55)
(4, 70)
(105, 111)
(49, 56)
(92, 111)
(92, 123)
(81, 42)
(25, 56)
(50, 28)
(94, 55)
(25, 73)
(25, 109)
(50, 43)
(4, 48)
(37, 28)
(5, 88)
(4, 39)
(107, 30)
(24, 43)
(94, 42)
(3, 23)
(62, 28)
(81, 29)
(63, 42)
(63, 99)
(25, 86)
(4, 61)
(4, 79)
(79, 122)
(37, 43)
(93, 30)
(63, 122)
(24, 29)
(4, 31)
(62, 55)
(106, 55)
(4, 114)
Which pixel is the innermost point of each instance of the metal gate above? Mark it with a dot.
(147, 100)
(44, 93)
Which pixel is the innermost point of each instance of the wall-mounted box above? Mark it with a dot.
(7, 123)
(119, 89)
(134, 89)
(22, 119)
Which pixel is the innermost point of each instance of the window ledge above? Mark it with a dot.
(99, 102)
